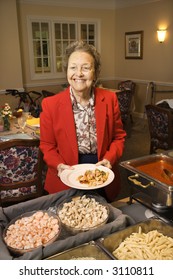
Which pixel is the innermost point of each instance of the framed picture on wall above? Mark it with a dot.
(134, 45)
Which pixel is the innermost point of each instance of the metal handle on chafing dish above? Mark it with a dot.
(133, 178)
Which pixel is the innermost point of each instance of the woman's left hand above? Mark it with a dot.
(104, 162)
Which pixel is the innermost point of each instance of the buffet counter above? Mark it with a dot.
(121, 216)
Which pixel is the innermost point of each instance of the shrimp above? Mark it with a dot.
(31, 232)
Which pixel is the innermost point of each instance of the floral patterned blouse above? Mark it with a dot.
(85, 122)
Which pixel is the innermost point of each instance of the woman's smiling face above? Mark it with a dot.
(81, 71)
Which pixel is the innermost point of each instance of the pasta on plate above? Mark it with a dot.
(93, 177)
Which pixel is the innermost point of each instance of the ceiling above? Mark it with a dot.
(102, 4)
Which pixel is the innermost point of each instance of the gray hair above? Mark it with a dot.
(83, 47)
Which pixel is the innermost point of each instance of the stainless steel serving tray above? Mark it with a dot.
(112, 241)
(87, 250)
(162, 160)
(146, 175)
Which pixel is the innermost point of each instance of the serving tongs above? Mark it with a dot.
(168, 174)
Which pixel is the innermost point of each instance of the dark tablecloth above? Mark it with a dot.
(117, 221)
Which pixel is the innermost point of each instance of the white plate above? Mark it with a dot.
(69, 176)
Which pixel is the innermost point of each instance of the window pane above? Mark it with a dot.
(35, 30)
(41, 49)
(38, 65)
(91, 31)
(57, 31)
(58, 48)
(83, 31)
(46, 64)
(88, 33)
(65, 44)
(65, 31)
(45, 48)
(44, 30)
(72, 31)
(37, 48)
(59, 64)
(91, 42)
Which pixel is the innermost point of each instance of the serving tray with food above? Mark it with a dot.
(31, 230)
(148, 240)
(103, 219)
(83, 213)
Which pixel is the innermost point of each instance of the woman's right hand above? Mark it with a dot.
(61, 167)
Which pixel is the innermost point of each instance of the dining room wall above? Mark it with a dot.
(156, 65)
(10, 56)
(157, 62)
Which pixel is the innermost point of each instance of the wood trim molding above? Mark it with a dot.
(93, 4)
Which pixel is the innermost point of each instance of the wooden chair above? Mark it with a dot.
(21, 164)
(160, 122)
(47, 93)
(125, 98)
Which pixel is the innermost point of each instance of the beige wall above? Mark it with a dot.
(10, 61)
(156, 65)
(157, 62)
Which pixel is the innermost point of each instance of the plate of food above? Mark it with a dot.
(87, 176)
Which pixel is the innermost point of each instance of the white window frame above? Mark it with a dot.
(51, 21)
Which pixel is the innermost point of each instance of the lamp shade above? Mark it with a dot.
(161, 34)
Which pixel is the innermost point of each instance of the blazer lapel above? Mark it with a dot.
(100, 110)
(69, 125)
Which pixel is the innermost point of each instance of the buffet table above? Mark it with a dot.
(121, 216)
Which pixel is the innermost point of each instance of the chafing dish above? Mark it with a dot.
(148, 175)
(112, 241)
(86, 251)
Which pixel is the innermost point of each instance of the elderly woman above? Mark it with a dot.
(81, 124)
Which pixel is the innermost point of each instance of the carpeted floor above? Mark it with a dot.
(137, 145)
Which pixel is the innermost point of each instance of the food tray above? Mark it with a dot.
(146, 175)
(17, 251)
(151, 167)
(87, 250)
(117, 221)
(112, 241)
(82, 204)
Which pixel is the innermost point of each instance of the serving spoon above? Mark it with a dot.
(168, 174)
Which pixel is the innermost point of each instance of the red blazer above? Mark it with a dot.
(58, 140)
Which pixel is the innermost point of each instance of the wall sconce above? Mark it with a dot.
(161, 34)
